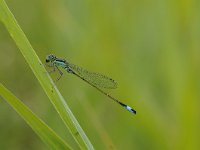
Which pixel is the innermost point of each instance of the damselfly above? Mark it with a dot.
(96, 80)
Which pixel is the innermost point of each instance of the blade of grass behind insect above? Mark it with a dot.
(38, 69)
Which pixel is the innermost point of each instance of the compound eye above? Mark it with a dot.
(51, 57)
(47, 60)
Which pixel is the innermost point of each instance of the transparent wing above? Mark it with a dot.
(96, 79)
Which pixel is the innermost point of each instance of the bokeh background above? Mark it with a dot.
(152, 49)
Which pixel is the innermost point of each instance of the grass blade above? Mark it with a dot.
(40, 128)
(38, 69)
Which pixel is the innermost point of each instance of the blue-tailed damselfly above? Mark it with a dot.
(96, 80)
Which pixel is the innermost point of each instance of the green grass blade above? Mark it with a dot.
(40, 128)
(38, 69)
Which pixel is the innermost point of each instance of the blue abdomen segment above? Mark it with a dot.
(130, 109)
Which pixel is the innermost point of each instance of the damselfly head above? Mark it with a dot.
(51, 58)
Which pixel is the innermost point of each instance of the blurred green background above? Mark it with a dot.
(152, 49)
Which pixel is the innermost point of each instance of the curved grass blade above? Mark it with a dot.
(48, 136)
(47, 84)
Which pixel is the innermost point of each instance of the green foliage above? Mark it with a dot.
(151, 48)
(41, 129)
(32, 59)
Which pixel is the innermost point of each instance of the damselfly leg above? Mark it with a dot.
(55, 68)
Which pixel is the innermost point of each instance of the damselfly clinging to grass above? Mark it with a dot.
(96, 80)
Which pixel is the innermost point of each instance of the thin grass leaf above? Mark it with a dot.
(49, 137)
(38, 69)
